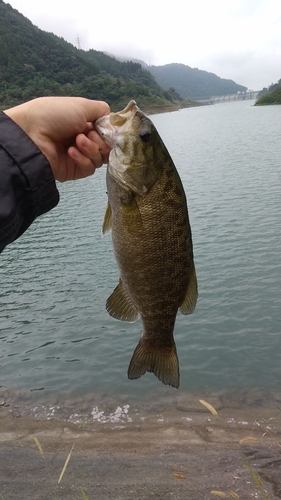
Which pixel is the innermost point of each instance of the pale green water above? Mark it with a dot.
(55, 332)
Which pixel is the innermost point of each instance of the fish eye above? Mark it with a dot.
(145, 135)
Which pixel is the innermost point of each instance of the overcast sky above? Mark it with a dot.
(236, 39)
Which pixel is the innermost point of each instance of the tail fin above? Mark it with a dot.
(162, 362)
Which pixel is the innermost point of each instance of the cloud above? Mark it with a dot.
(237, 39)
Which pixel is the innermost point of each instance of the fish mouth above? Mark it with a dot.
(120, 118)
(105, 130)
(112, 126)
(131, 107)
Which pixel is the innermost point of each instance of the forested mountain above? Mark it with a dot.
(269, 89)
(192, 82)
(35, 63)
(272, 95)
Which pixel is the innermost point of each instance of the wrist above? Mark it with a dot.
(18, 115)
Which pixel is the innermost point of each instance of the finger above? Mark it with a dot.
(88, 128)
(93, 147)
(84, 164)
(95, 137)
(94, 109)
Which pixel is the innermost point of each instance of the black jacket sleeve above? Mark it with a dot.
(27, 184)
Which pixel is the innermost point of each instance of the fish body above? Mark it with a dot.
(148, 216)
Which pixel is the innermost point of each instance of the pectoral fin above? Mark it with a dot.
(107, 220)
(189, 303)
(120, 306)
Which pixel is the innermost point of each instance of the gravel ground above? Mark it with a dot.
(196, 457)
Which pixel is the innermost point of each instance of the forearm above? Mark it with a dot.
(27, 184)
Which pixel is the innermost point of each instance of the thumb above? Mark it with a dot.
(95, 109)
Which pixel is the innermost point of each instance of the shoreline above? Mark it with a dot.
(103, 407)
(190, 457)
(170, 447)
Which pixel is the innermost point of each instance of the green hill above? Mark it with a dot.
(270, 96)
(35, 63)
(192, 82)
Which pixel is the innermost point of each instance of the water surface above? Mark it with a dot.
(55, 334)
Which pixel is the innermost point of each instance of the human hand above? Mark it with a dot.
(62, 127)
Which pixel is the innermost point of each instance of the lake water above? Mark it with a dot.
(57, 339)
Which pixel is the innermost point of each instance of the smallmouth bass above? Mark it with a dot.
(147, 214)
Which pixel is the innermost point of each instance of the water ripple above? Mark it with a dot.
(55, 332)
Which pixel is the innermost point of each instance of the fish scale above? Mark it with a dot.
(147, 214)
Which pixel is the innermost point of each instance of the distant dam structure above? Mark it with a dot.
(239, 96)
